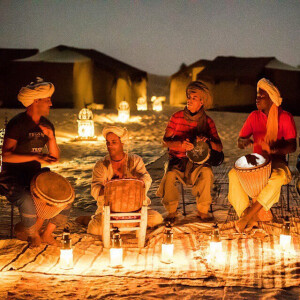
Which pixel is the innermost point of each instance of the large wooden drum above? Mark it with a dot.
(124, 195)
(253, 171)
(51, 193)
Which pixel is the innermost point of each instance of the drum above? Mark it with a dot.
(253, 171)
(51, 193)
(200, 154)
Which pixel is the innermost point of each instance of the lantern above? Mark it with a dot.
(123, 111)
(167, 247)
(66, 251)
(86, 125)
(116, 251)
(141, 103)
(285, 237)
(215, 244)
(157, 103)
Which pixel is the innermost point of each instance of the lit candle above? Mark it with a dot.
(285, 237)
(66, 251)
(167, 247)
(116, 251)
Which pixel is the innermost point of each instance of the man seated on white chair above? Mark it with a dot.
(116, 165)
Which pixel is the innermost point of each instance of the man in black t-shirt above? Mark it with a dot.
(26, 136)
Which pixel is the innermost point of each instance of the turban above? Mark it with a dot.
(272, 122)
(200, 87)
(271, 89)
(121, 132)
(35, 90)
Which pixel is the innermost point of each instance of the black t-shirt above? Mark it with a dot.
(30, 139)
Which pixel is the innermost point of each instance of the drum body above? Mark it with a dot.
(200, 154)
(51, 193)
(255, 178)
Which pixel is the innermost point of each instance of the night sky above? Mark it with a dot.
(156, 36)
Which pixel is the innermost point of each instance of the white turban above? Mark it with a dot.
(271, 89)
(35, 90)
(121, 132)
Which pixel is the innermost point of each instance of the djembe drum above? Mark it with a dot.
(51, 193)
(200, 154)
(253, 171)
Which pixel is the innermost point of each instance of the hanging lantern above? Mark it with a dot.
(285, 237)
(157, 103)
(124, 111)
(215, 243)
(66, 251)
(167, 247)
(141, 103)
(116, 251)
(86, 129)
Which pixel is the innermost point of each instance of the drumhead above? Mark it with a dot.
(200, 154)
(251, 161)
(53, 187)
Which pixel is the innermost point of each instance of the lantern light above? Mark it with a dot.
(285, 237)
(167, 247)
(66, 251)
(116, 251)
(216, 243)
(141, 103)
(86, 129)
(157, 103)
(124, 111)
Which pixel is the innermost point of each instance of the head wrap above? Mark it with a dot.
(121, 132)
(272, 122)
(35, 90)
(199, 86)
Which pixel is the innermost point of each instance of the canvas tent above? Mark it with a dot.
(232, 81)
(81, 77)
(182, 78)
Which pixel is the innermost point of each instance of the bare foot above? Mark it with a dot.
(49, 239)
(252, 223)
(240, 225)
(34, 241)
(20, 232)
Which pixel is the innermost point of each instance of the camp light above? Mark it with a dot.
(66, 251)
(215, 243)
(167, 247)
(124, 111)
(85, 121)
(141, 103)
(285, 236)
(116, 251)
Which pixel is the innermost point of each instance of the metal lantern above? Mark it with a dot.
(141, 103)
(66, 251)
(167, 247)
(215, 243)
(157, 103)
(285, 237)
(116, 251)
(123, 111)
(86, 127)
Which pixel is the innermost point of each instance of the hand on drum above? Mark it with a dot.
(201, 138)
(187, 145)
(46, 159)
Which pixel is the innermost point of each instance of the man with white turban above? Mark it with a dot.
(274, 134)
(26, 135)
(117, 164)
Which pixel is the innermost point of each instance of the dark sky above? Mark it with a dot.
(156, 36)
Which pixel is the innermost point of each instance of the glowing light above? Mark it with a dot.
(123, 111)
(157, 103)
(141, 103)
(66, 251)
(116, 251)
(85, 121)
(285, 237)
(167, 247)
(215, 247)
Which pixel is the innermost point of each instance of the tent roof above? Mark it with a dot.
(198, 63)
(231, 68)
(9, 54)
(66, 54)
(278, 65)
